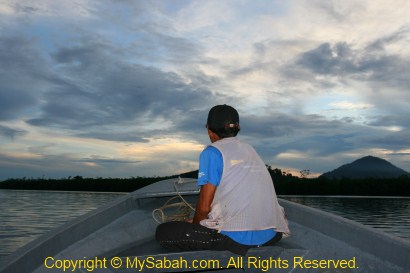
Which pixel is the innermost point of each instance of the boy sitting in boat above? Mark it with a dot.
(237, 207)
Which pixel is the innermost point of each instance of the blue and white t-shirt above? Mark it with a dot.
(210, 171)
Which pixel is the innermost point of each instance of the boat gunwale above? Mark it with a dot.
(29, 257)
(31, 253)
(367, 239)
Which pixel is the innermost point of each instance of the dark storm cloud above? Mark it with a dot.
(400, 138)
(131, 71)
(96, 87)
(278, 133)
(373, 63)
(393, 140)
(10, 132)
(57, 166)
(382, 72)
(319, 145)
(23, 8)
(326, 59)
(112, 135)
(124, 93)
(92, 84)
(275, 125)
(17, 54)
(283, 125)
(19, 65)
(13, 167)
(13, 102)
(390, 120)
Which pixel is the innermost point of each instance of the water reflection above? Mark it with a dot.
(25, 215)
(391, 215)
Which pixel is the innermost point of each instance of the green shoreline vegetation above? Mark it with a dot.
(285, 184)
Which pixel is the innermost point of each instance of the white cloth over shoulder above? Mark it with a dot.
(245, 198)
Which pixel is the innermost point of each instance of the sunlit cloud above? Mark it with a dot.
(90, 164)
(161, 149)
(346, 105)
(291, 155)
(128, 84)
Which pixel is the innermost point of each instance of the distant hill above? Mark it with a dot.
(365, 167)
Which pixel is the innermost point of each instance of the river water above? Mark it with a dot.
(26, 215)
(388, 214)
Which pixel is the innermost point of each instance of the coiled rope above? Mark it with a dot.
(183, 208)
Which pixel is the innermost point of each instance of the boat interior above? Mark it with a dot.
(126, 227)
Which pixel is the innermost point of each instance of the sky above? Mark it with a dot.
(101, 88)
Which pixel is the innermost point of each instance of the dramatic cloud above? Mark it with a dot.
(10, 132)
(123, 88)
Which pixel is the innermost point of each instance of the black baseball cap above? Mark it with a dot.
(222, 116)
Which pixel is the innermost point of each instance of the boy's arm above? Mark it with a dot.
(203, 207)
